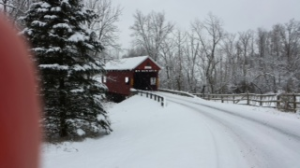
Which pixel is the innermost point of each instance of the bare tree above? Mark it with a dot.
(15, 8)
(262, 37)
(192, 54)
(5, 5)
(105, 26)
(167, 54)
(245, 44)
(209, 33)
(135, 52)
(231, 59)
(290, 36)
(179, 40)
(150, 31)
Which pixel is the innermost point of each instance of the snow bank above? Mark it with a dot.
(145, 135)
(149, 136)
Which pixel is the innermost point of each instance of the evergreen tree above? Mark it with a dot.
(65, 52)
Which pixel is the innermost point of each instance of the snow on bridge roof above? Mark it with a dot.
(126, 63)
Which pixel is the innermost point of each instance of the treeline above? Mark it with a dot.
(208, 59)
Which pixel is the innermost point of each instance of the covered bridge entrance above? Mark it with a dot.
(145, 80)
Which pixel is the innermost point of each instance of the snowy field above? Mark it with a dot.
(187, 133)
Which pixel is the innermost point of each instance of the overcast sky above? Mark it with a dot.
(237, 15)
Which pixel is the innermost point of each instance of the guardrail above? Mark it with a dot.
(181, 93)
(151, 95)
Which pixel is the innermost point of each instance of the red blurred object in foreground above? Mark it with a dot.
(19, 104)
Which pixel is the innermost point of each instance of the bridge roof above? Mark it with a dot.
(127, 63)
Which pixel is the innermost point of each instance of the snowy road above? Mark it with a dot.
(187, 133)
(241, 139)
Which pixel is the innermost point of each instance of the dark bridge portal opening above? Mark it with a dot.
(145, 80)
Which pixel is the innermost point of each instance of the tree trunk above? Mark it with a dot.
(62, 115)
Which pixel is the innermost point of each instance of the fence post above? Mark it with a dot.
(295, 102)
(147, 94)
(222, 100)
(248, 98)
(162, 102)
(278, 101)
(260, 103)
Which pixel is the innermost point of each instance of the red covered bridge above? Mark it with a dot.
(136, 72)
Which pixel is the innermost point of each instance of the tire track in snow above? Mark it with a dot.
(215, 146)
(235, 137)
(297, 137)
(260, 157)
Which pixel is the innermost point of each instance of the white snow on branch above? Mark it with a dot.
(80, 132)
(78, 68)
(76, 37)
(63, 25)
(89, 46)
(50, 16)
(55, 9)
(101, 117)
(45, 5)
(77, 90)
(82, 68)
(66, 2)
(54, 66)
(53, 49)
(26, 30)
(38, 23)
(90, 66)
(36, 49)
(42, 10)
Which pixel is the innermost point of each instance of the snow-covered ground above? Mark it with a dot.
(187, 133)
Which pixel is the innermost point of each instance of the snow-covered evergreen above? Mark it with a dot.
(65, 52)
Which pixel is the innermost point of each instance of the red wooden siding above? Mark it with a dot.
(115, 81)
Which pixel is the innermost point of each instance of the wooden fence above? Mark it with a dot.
(284, 102)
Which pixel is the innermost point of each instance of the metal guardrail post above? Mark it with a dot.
(157, 98)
